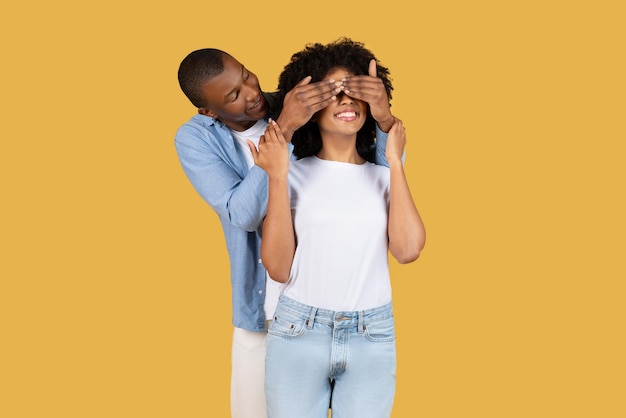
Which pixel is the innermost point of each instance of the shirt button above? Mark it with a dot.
(260, 260)
(260, 292)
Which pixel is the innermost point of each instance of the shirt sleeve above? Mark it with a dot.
(381, 145)
(241, 200)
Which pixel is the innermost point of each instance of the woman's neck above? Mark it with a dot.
(341, 149)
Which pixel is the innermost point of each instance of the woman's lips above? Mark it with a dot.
(347, 115)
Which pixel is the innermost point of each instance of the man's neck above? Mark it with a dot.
(239, 127)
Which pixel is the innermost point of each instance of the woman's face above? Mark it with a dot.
(344, 116)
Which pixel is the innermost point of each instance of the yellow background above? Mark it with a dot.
(115, 300)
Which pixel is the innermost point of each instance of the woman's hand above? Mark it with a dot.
(273, 153)
(396, 141)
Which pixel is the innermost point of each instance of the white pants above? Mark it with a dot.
(247, 395)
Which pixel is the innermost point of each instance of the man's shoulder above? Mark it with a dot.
(201, 127)
(199, 121)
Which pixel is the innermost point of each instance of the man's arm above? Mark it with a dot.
(370, 89)
(242, 199)
(301, 103)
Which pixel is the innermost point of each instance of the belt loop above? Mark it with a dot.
(309, 322)
(360, 326)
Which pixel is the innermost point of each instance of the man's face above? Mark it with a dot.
(234, 97)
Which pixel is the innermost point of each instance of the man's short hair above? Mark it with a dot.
(196, 69)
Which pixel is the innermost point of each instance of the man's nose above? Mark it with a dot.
(252, 94)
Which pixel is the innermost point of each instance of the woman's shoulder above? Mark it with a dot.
(302, 162)
(375, 168)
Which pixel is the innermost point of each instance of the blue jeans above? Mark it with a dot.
(308, 349)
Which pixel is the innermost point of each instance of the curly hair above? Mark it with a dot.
(318, 60)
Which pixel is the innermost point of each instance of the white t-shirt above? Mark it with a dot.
(340, 214)
(253, 134)
(272, 288)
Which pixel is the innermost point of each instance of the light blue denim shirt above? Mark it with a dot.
(217, 168)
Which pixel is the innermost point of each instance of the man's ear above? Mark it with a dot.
(207, 112)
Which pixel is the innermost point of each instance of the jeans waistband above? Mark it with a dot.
(335, 318)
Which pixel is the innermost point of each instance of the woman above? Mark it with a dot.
(332, 217)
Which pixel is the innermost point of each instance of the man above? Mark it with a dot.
(214, 154)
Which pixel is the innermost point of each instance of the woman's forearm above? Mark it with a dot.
(407, 235)
(278, 240)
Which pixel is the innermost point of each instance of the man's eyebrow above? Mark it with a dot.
(227, 95)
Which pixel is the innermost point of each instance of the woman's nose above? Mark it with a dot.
(343, 98)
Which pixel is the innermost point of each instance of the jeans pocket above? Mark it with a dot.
(381, 331)
(287, 325)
